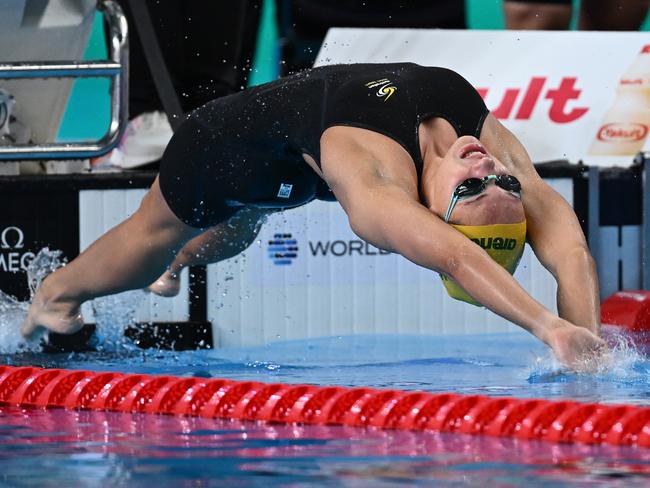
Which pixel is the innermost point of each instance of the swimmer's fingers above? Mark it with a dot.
(578, 348)
(594, 357)
(30, 330)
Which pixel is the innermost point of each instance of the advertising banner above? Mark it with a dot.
(34, 218)
(581, 96)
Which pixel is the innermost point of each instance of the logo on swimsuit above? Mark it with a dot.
(285, 190)
(386, 88)
(283, 249)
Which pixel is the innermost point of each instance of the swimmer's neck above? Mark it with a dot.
(436, 136)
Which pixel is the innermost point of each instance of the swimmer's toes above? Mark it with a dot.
(165, 287)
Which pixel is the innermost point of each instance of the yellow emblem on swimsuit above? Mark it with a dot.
(386, 87)
(503, 242)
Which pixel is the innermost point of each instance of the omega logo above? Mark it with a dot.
(11, 260)
(5, 238)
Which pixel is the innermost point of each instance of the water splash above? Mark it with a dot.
(44, 263)
(113, 314)
(624, 363)
(12, 314)
(13, 311)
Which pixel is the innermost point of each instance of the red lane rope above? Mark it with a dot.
(557, 421)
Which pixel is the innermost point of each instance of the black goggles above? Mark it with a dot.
(474, 186)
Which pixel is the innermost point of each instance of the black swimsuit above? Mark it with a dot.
(246, 148)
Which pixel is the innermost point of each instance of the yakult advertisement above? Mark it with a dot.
(581, 96)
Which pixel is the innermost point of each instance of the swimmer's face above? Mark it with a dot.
(467, 158)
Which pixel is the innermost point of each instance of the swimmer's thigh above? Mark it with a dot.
(198, 175)
(229, 238)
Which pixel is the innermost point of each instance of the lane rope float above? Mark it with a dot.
(550, 420)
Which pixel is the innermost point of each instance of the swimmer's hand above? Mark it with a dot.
(47, 312)
(576, 347)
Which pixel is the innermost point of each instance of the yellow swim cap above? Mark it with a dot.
(503, 242)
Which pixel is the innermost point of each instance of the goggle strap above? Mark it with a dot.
(450, 207)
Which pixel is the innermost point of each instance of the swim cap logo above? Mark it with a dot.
(385, 87)
(496, 243)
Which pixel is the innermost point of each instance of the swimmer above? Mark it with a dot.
(411, 153)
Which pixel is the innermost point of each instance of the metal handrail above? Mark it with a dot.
(59, 69)
(116, 68)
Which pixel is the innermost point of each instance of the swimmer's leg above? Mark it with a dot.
(129, 256)
(218, 243)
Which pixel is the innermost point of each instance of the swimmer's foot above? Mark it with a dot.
(168, 285)
(47, 312)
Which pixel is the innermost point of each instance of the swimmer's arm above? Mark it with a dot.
(554, 232)
(555, 235)
(383, 209)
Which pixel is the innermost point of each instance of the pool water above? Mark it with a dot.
(55, 447)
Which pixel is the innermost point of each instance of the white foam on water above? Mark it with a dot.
(44, 263)
(13, 311)
(622, 363)
(113, 314)
(12, 314)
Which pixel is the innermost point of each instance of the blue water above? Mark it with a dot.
(513, 364)
(47, 448)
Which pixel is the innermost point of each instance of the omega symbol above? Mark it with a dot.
(18, 238)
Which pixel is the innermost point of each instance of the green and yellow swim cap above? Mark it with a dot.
(503, 242)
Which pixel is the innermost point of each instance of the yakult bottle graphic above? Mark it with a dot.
(625, 125)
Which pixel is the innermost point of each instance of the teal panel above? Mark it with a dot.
(88, 113)
(485, 14)
(265, 62)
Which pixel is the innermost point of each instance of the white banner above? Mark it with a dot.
(574, 95)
